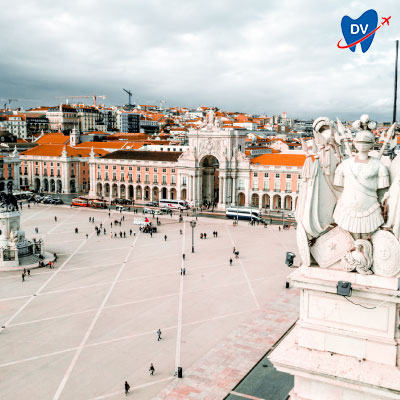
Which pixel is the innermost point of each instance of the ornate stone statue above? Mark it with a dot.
(348, 190)
(358, 209)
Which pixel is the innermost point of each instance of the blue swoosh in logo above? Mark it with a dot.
(355, 29)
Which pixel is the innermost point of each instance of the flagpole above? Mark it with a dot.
(395, 83)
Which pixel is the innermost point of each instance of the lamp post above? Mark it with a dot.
(193, 225)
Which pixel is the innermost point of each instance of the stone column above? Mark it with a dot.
(220, 191)
(92, 180)
(233, 192)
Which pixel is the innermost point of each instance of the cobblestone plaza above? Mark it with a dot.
(80, 330)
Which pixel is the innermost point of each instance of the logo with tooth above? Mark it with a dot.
(361, 30)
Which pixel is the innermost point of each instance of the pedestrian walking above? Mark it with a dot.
(181, 271)
(165, 238)
(55, 219)
(23, 277)
(183, 256)
(29, 272)
(205, 236)
(90, 219)
(76, 230)
(279, 228)
(87, 236)
(184, 271)
(151, 369)
(36, 230)
(109, 215)
(216, 234)
(180, 231)
(29, 206)
(230, 262)
(158, 334)
(130, 232)
(234, 249)
(127, 387)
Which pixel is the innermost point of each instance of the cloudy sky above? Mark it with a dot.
(256, 56)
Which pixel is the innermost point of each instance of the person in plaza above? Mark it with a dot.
(165, 238)
(55, 219)
(183, 256)
(158, 334)
(151, 369)
(36, 230)
(24, 271)
(184, 271)
(180, 231)
(230, 262)
(234, 249)
(76, 230)
(87, 236)
(29, 272)
(23, 276)
(205, 236)
(127, 387)
(130, 232)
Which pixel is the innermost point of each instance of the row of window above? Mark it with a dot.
(138, 178)
(147, 169)
(266, 175)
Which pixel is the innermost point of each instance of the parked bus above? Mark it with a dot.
(80, 202)
(84, 202)
(243, 213)
(97, 203)
(178, 204)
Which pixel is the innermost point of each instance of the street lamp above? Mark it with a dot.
(193, 225)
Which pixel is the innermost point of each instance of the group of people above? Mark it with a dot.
(127, 386)
(24, 273)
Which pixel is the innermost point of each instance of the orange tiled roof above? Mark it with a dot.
(55, 150)
(290, 160)
(53, 138)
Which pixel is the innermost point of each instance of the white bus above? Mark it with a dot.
(178, 204)
(243, 213)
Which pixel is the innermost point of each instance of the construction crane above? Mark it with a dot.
(93, 96)
(11, 100)
(130, 97)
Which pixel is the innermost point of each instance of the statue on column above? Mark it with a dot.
(8, 200)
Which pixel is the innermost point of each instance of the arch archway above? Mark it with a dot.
(265, 201)
(172, 194)
(288, 203)
(146, 192)
(210, 180)
(183, 194)
(156, 194)
(114, 190)
(59, 186)
(99, 189)
(37, 185)
(45, 185)
(131, 193)
(276, 201)
(138, 193)
(241, 199)
(107, 190)
(72, 186)
(164, 193)
(52, 185)
(255, 200)
(122, 192)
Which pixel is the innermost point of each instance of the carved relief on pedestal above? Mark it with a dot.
(386, 254)
(331, 247)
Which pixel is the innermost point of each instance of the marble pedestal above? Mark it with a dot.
(339, 350)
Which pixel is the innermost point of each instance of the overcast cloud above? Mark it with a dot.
(256, 56)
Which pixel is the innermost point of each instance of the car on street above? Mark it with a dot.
(165, 210)
(152, 204)
(57, 201)
(120, 208)
(148, 210)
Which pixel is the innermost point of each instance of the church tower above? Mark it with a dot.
(74, 137)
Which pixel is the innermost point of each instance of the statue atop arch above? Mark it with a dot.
(348, 212)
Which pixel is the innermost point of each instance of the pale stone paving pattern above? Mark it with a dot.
(215, 374)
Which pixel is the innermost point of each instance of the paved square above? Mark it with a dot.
(79, 331)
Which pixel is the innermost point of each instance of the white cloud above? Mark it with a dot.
(256, 56)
